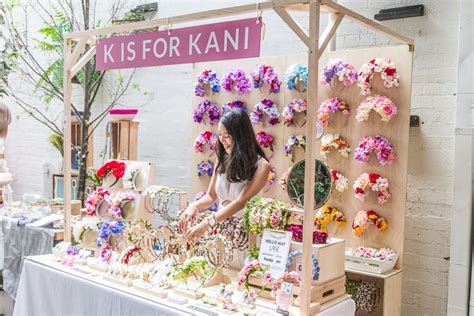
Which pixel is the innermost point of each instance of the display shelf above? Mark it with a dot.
(385, 275)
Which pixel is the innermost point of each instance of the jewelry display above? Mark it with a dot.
(159, 199)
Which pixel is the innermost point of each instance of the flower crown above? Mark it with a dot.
(107, 229)
(329, 141)
(265, 140)
(205, 167)
(266, 106)
(96, 197)
(283, 179)
(340, 70)
(119, 202)
(364, 218)
(287, 277)
(266, 74)
(234, 105)
(132, 171)
(237, 80)
(86, 223)
(206, 77)
(340, 182)
(295, 73)
(117, 168)
(128, 253)
(270, 179)
(319, 237)
(329, 106)
(211, 109)
(249, 269)
(200, 195)
(379, 144)
(380, 104)
(206, 137)
(327, 214)
(383, 66)
(314, 260)
(372, 181)
(261, 213)
(295, 106)
(368, 252)
(294, 141)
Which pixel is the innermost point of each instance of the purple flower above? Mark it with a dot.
(72, 251)
(236, 80)
(205, 167)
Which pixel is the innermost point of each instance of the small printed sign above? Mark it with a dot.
(274, 250)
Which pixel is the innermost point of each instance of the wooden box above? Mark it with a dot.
(124, 140)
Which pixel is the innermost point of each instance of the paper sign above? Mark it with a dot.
(274, 250)
(217, 41)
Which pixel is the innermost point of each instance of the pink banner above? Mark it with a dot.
(218, 41)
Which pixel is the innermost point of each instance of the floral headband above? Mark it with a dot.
(114, 167)
(266, 74)
(207, 77)
(266, 106)
(107, 229)
(232, 229)
(383, 66)
(339, 70)
(131, 173)
(200, 195)
(319, 237)
(294, 141)
(211, 109)
(374, 253)
(206, 137)
(329, 106)
(328, 214)
(265, 140)
(380, 104)
(270, 179)
(329, 141)
(262, 213)
(340, 182)
(379, 144)
(288, 277)
(121, 203)
(295, 73)
(234, 105)
(363, 219)
(86, 223)
(372, 182)
(295, 106)
(205, 167)
(284, 178)
(314, 260)
(236, 80)
(95, 198)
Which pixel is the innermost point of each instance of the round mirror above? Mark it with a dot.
(322, 187)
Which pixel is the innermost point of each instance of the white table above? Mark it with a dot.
(48, 288)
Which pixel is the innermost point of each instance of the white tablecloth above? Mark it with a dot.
(48, 290)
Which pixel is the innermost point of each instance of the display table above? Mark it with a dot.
(49, 288)
(17, 242)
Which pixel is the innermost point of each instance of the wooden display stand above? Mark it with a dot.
(125, 139)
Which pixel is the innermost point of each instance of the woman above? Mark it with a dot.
(240, 173)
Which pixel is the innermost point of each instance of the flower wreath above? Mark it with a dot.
(329, 106)
(107, 229)
(372, 181)
(127, 254)
(237, 80)
(265, 140)
(289, 277)
(340, 182)
(232, 229)
(131, 173)
(206, 77)
(378, 143)
(95, 198)
(270, 179)
(266, 106)
(234, 105)
(319, 237)
(298, 140)
(295, 73)
(266, 74)
(252, 268)
(196, 266)
(364, 218)
(117, 168)
(383, 66)
(206, 137)
(334, 141)
(340, 70)
(106, 253)
(261, 213)
(374, 253)
(211, 109)
(200, 195)
(380, 104)
(205, 167)
(327, 214)
(86, 223)
(314, 259)
(119, 202)
(295, 106)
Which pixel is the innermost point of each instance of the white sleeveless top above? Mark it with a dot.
(229, 191)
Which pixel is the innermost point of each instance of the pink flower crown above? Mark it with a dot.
(372, 182)
(383, 66)
(365, 218)
(211, 109)
(268, 107)
(95, 198)
(339, 70)
(329, 106)
(380, 104)
(266, 74)
(295, 106)
(236, 80)
(207, 77)
(206, 137)
(265, 139)
(378, 143)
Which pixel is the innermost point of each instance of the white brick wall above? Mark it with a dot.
(165, 130)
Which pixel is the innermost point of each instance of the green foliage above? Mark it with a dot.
(57, 141)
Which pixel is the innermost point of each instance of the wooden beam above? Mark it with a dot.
(329, 32)
(309, 178)
(77, 52)
(288, 19)
(67, 86)
(371, 24)
(84, 59)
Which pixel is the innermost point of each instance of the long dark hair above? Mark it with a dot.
(241, 164)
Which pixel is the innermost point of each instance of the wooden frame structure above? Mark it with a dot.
(75, 60)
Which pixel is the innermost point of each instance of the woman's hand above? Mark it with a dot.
(186, 217)
(196, 232)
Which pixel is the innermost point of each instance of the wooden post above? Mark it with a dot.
(67, 84)
(308, 223)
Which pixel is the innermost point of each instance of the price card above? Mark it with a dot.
(274, 250)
